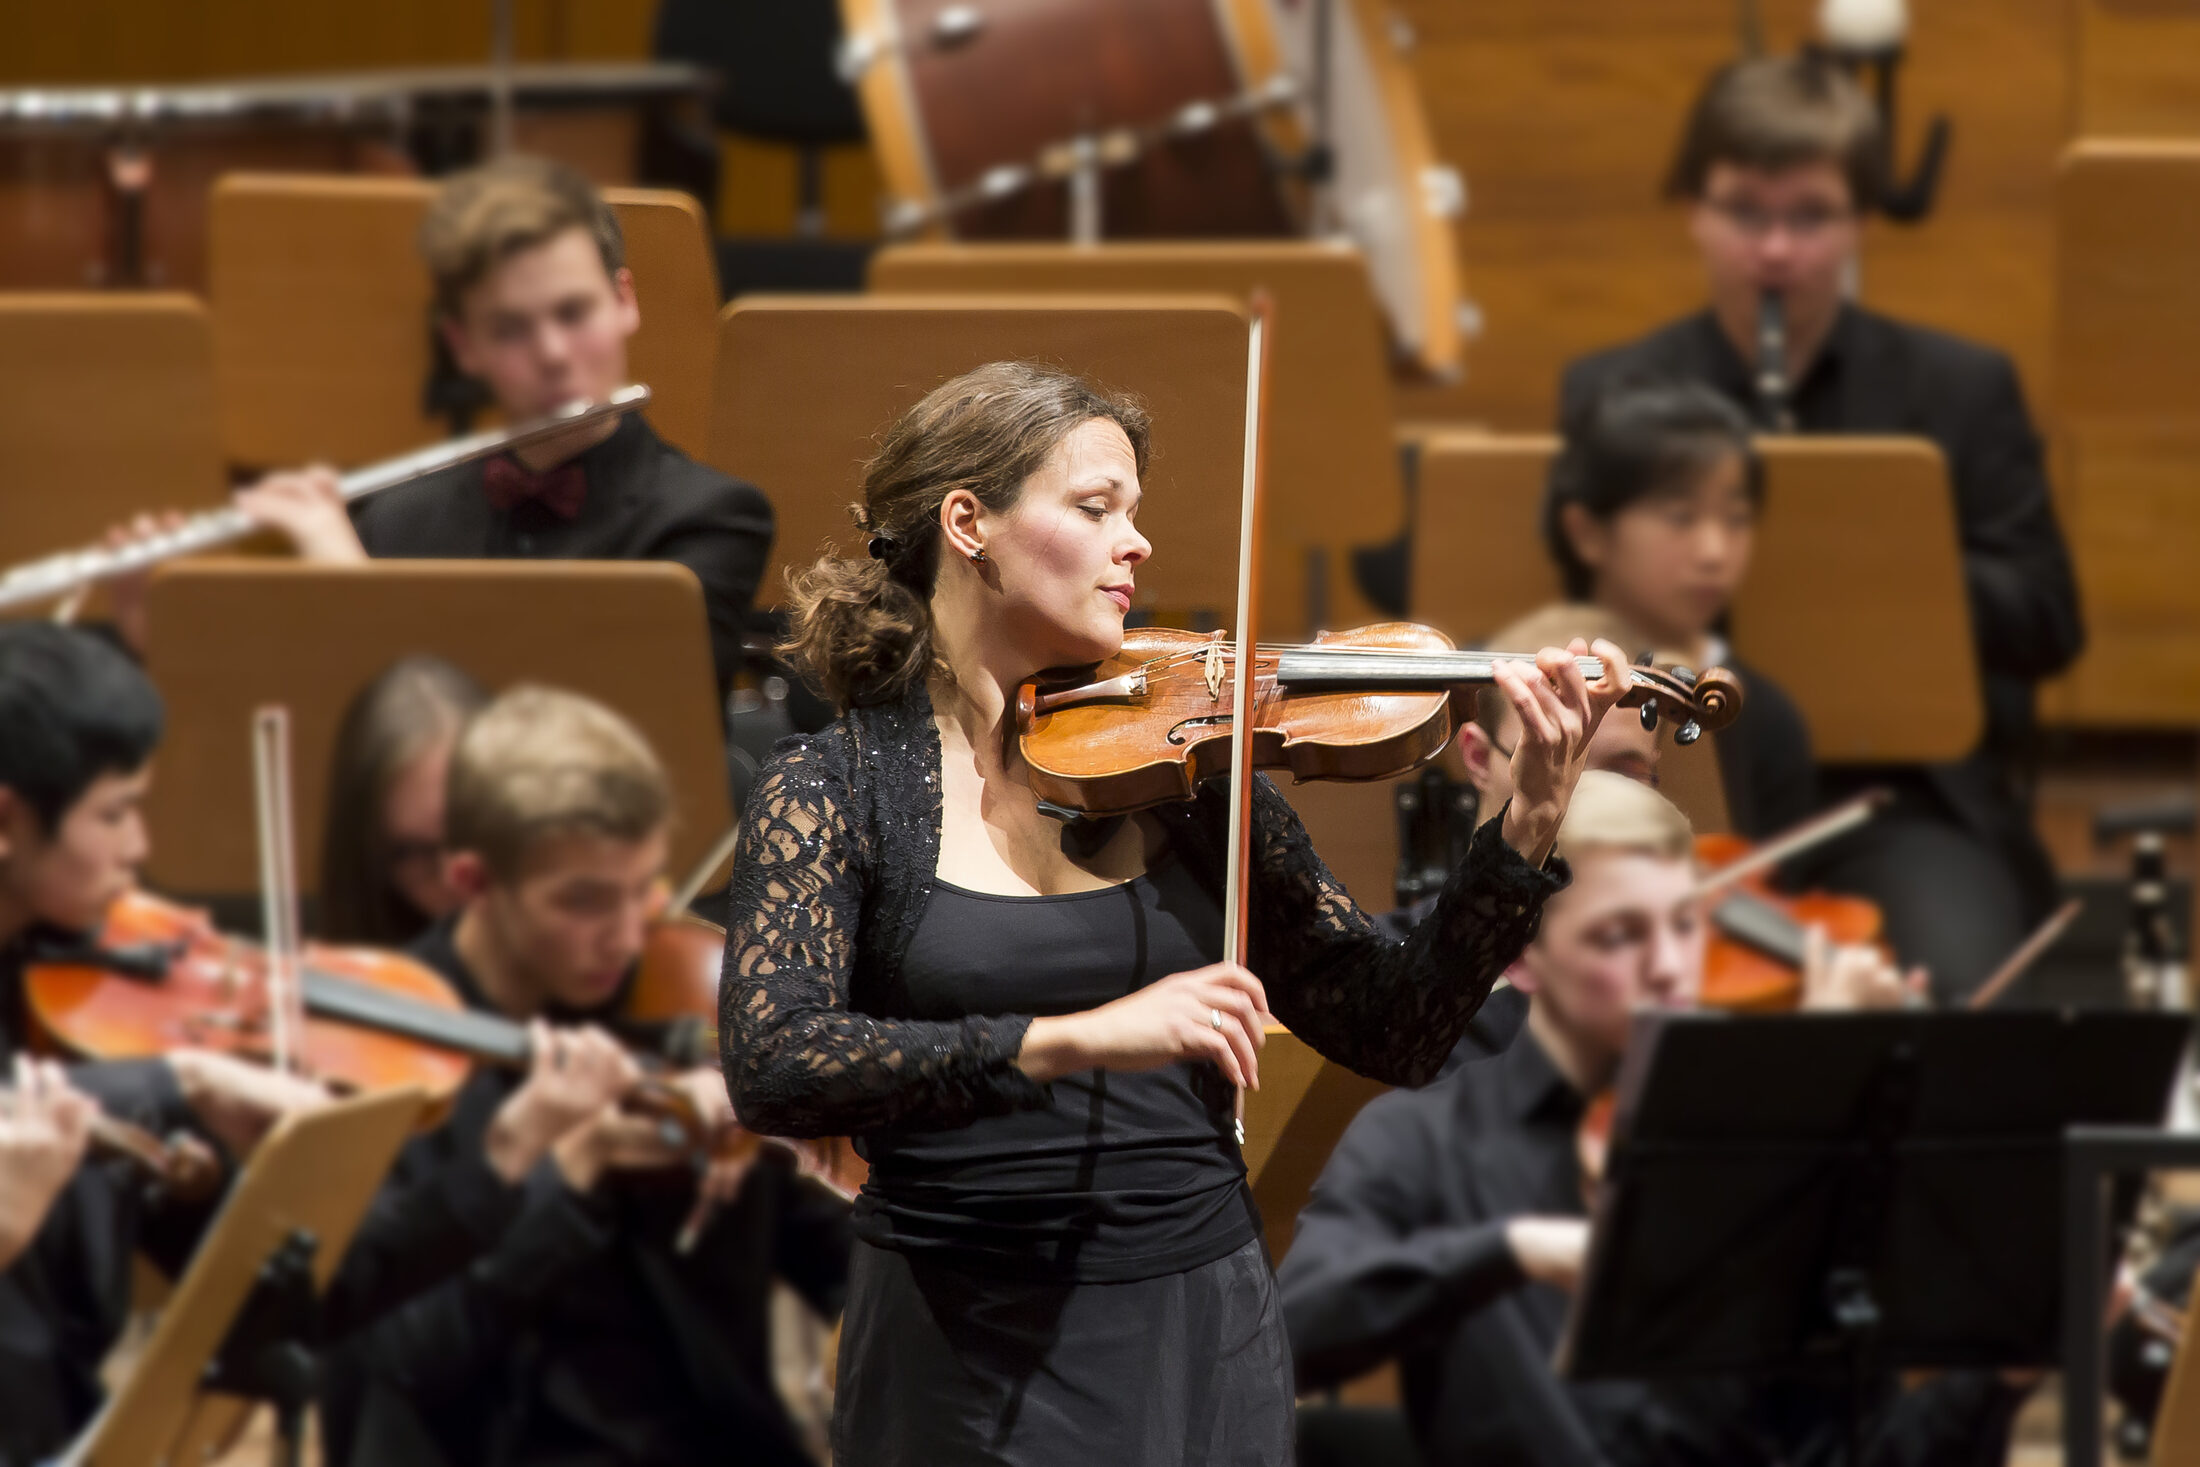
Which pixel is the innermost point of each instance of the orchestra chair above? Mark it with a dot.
(2127, 419)
(1333, 484)
(321, 316)
(807, 386)
(228, 636)
(107, 409)
(1855, 600)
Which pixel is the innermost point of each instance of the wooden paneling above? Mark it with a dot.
(321, 315)
(228, 636)
(1333, 480)
(1854, 601)
(2135, 61)
(106, 410)
(808, 384)
(156, 40)
(1562, 115)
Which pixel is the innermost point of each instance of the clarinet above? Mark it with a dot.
(1774, 413)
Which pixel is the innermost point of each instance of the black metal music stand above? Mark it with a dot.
(1850, 1194)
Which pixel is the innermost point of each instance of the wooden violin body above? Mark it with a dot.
(160, 977)
(1753, 962)
(1146, 726)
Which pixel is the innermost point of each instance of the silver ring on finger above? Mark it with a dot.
(1215, 1017)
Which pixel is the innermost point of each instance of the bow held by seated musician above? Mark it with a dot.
(533, 297)
(1024, 1023)
(544, 1220)
(1450, 1223)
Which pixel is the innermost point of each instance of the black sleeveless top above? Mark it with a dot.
(1119, 1175)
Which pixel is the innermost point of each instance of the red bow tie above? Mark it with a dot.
(559, 490)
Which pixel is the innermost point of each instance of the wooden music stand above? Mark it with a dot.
(227, 636)
(107, 409)
(321, 315)
(1333, 484)
(313, 1175)
(2127, 402)
(1857, 581)
(808, 384)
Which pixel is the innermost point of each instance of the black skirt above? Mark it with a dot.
(940, 1367)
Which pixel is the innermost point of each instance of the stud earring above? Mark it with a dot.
(977, 556)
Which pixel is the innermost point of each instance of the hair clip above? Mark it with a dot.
(883, 547)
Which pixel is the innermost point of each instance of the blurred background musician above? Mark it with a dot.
(78, 727)
(569, 1324)
(1450, 1223)
(382, 880)
(1651, 512)
(1780, 161)
(533, 297)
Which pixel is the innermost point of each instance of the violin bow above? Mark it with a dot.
(1237, 880)
(285, 993)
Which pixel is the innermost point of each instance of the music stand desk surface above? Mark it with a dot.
(1857, 581)
(314, 1172)
(1766, 1171)
(229, 635)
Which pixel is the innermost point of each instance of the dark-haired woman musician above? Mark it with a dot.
(1026, 1025)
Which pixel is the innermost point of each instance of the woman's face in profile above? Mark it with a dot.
(1066, 555)
(412, 831)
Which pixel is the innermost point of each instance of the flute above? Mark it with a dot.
(59, 575)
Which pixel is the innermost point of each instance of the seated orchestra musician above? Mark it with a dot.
(548, 1277)
(1781, 158)
(1650, 512)
(1449, 1224)
(1024, 1022)
(533, 296)
(78, 727)
(382, 877)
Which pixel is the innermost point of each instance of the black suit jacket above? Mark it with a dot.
(1878, 375)
(646, 500)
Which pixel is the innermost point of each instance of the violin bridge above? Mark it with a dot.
(1214, 669)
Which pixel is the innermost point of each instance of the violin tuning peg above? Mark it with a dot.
(1644, 658)
(1650, 714)
(1688, 733)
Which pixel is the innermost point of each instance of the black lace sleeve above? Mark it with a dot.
(1389, 1009)
(798, 1061)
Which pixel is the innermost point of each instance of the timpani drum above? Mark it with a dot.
(1182, 119)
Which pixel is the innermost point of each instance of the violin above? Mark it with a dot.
(1754, 960)
(182, 1165)
(1147, 725)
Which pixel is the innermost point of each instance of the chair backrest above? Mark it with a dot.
(107, 409)
(808, 384)
(228, 636)
(321, 315)
(1333, 482)
(1855, 601)
(2127, 411)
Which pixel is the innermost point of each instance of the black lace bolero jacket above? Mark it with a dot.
(838, 849)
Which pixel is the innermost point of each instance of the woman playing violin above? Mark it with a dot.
(1025, 1023)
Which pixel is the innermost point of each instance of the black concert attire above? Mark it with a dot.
(636, 498)
(1955, 863)
(66, 1297)
(1401, 1253)
(1069, 1272)
(479, 1323)
(1766, 769)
